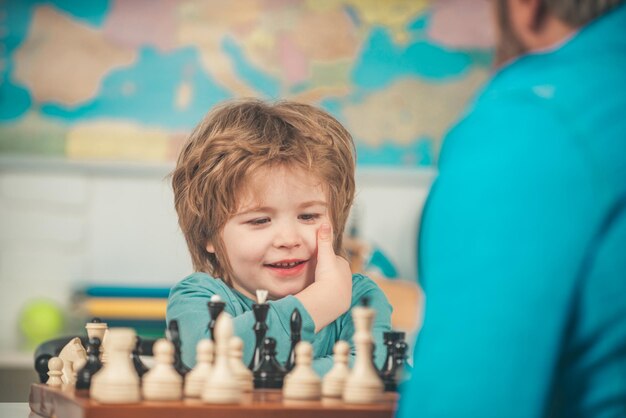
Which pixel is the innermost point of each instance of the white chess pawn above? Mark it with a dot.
(162, 382)
(243, 374)
(195, 379)
(363, 385)
(117, 381)
(303, 383)
(55, 367)
(335, 380)
(222, 386)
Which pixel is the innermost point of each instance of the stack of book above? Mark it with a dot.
(138, 307)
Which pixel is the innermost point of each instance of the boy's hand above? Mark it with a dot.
(332, 271)
(330, 295)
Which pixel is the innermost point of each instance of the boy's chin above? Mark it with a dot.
(281, 293)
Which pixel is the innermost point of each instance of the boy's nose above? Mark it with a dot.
(287, 237)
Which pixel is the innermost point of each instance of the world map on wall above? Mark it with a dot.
(128, 80)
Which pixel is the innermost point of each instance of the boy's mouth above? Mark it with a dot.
(286, 264)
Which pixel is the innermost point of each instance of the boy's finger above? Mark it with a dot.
(325, 241)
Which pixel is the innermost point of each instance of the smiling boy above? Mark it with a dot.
(259, 189)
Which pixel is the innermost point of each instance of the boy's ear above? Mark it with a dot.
(210, 247)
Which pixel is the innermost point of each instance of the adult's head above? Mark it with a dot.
(531, 25)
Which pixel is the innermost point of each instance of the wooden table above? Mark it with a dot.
(66, 403)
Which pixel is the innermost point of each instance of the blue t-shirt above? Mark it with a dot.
(188, 304)
(525, 284)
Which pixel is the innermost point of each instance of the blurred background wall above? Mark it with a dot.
(96, 98)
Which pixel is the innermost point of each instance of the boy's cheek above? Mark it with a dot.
(312, 242)
(311, 237)
(324, 219)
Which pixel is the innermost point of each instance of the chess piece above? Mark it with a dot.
(335, 380)
(74, 358)
(222, 386)
(303, 383)
(139, 365)
(363, 384)
(295, 324)
(243, 374)
(162, 382)
(173, 334)
(388, 371)
(269, 374)
(97, 328)
(216, 307)
(41, 366)
(260, 310)
(84, 375)
(104, 357)
(117, 381)
(55, 367)
(403, 369)
(196, 378)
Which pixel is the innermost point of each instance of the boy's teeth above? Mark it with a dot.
(286, 265)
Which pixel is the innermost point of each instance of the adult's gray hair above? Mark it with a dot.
(579, 12)
(574, 13)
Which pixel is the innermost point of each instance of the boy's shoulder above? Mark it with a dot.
(363, 286)
(201, 283)
(359, 279)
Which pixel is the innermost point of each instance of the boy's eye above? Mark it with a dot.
(259, 221)
(309, 216)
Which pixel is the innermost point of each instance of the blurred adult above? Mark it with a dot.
(522, 246)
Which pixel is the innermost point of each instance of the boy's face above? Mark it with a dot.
(271, 242)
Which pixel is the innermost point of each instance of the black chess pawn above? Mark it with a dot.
(269, 374)
(84, 375)
(296, 330)
(216, 307)
(403, 368)
(140, 367)
(260, 311)
(388, 371)
(41, 366)
(173, 335)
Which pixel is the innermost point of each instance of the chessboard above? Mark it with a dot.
(50, 402)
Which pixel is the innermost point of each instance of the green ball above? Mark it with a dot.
(40, 320)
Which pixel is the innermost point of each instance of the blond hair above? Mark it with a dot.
(236, 139)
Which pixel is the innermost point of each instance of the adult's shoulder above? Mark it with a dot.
(516, 181)
(518, 133)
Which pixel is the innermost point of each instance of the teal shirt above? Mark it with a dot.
(188, 304)
(525, 285)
